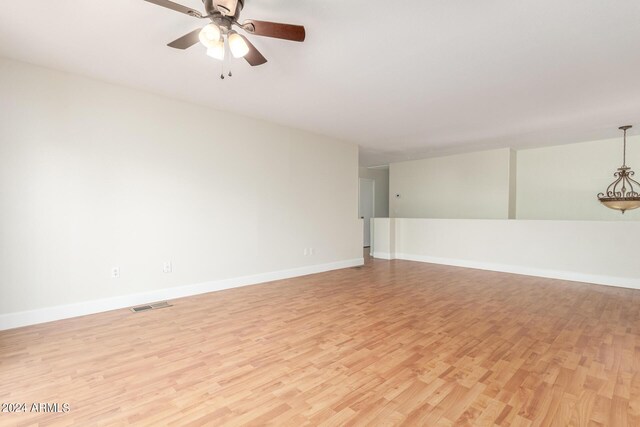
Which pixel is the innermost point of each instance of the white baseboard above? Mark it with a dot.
(623, 282)
(32, 317)
(382, 255)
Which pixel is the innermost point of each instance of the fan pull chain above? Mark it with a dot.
(227, 58)
(230, 74)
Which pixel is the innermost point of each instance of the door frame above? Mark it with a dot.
(373, 208)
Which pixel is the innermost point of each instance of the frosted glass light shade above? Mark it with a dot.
(237, 45)
(217, 50)
(622, 204)
(209, 35)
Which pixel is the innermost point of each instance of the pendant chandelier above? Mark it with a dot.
(622, 194)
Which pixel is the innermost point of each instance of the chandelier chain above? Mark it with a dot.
(624, 150)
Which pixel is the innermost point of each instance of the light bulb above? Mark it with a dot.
(217, 50)
(237, 45)
(209, 35)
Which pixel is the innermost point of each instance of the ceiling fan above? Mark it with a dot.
(224, 15)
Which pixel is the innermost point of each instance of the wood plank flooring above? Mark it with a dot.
(391, 343)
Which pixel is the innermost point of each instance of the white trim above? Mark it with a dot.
(373, 207)
(382, 255)
(32, 317)
(624, 282)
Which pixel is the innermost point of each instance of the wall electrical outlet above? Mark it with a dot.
(306, 251)
(310, 251)
(115, 273)
(166, 267)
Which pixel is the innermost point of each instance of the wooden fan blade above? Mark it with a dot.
(228, 6)
(254, 57)
(294, 33)
(177, 7)
(187, 40)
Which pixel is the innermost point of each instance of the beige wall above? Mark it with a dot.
(584, 251)
(562, 182)
(381, 178)
(471, 185)
(556, 183)
(94, 175)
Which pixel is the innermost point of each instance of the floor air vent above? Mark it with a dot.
(153, 306)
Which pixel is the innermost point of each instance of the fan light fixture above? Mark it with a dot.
(237, 45)
(210, 35)
(622, 194)
(218, 35)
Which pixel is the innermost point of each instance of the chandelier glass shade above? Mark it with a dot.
(622, 194)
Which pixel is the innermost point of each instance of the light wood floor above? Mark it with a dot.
(387, 344)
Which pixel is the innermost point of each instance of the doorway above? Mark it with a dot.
(367, 207)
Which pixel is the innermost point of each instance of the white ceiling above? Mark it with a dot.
(403, 79)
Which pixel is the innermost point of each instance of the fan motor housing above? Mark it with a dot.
(211, 6)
